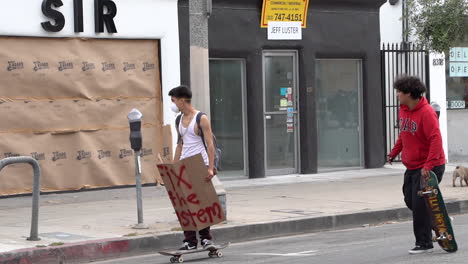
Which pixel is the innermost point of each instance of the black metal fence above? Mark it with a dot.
(397, 60)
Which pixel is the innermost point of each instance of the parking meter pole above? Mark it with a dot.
(134, 118)
(140, 224)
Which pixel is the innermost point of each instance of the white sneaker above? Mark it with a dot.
(420, 250)
(188, 246)
(206, 243)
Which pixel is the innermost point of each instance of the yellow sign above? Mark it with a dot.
(284, 10)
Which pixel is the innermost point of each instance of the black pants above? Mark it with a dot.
(421, 220)
(191, 236)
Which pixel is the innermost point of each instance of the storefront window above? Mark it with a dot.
(339, 108)
(227, 115)
(457, 77)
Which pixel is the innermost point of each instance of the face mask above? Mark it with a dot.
(174, 108)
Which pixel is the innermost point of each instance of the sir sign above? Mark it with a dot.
(100, 17)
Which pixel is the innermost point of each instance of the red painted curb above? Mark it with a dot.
(69, 252)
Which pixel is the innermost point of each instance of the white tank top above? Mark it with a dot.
(193, 143)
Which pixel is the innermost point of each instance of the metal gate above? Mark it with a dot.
(397, 60)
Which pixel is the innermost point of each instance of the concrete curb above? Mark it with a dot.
(129, 246)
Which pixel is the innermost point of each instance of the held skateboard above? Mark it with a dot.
(176, 255)
(441, 222)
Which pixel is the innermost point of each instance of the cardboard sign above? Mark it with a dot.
(194, 199)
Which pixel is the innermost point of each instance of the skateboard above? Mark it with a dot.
(441, 222)
(213, 251)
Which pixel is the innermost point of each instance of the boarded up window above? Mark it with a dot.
(65, 102)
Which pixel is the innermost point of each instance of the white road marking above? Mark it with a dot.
(298, 254)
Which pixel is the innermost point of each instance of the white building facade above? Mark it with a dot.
(142, 19)
(392, 32)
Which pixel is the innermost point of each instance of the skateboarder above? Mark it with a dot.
(189, 144)
(420, 143)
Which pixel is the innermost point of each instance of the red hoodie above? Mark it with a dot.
(420, 141)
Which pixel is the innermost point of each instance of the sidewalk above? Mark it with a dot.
(98, 224)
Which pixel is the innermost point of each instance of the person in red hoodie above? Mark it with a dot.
(420, 144)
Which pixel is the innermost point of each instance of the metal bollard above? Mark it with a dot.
(36, 190)
(221, 193)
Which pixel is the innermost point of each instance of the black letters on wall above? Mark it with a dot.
(78, 15)
(100, 18)
(53, 14)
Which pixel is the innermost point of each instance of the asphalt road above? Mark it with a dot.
(386, 243)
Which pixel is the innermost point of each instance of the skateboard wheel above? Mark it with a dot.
(219, 254)
(173, 260)
(434, 239)
(180, 260)
(420, 193)
(450, 237)
(210, 254)
(435, 191)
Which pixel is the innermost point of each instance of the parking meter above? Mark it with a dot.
(134, 118)
(436, 108)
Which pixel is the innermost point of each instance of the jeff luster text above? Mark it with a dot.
(285, 30)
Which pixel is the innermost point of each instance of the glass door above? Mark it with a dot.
(280, 76)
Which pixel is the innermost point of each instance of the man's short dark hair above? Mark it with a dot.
(181, 91)
(411, 85)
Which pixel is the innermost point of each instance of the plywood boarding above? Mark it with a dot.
(65, 102)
